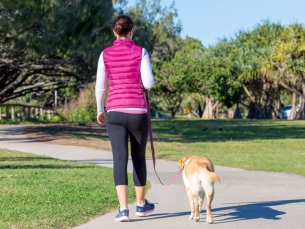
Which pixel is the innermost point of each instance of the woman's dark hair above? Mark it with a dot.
(122, 25)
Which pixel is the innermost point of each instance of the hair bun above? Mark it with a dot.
(122, 25)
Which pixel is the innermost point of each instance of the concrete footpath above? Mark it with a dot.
(243, 199)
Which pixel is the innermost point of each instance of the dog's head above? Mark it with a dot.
(182, 161)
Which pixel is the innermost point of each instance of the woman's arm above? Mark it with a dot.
(146, 71)
(101, 85)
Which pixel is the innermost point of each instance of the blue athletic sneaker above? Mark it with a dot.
(123, 216)
(146, 210)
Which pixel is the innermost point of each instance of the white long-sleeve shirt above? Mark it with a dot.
(102, 79)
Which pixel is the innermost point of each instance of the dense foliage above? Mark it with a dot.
(256, 69)
(46, 45)
(55, 44)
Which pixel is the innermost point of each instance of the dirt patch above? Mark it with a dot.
(90, 135)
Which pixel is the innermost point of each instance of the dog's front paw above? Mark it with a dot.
(197, 219)
(191, 216)
(210, 221)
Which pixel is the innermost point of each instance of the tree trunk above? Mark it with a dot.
(193, 112)
(267, 106)
(255, 111)
(301, 111)
(230, 113)
(173, 112)
(209, 112)
(293, 112)
(277, 108)
(295, 92)
(199, 107)
(237, 113)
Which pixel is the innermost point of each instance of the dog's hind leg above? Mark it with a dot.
(197, 209)
(200, 199)
(208, 208)
(191, 202)
(196, 202)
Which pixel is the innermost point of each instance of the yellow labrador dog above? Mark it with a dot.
(198, 177)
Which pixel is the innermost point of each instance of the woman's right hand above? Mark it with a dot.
(101, 118)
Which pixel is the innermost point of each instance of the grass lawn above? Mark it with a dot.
(48, 193)
(269, 145)
(41, 192)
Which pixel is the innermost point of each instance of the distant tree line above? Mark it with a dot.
(254, 69)
(54, 45)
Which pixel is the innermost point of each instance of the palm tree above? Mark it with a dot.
(289, 60)
(258, 76)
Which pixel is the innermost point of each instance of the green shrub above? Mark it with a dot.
(81, 109)
(56, 118)
(80, 115)
(9, 122)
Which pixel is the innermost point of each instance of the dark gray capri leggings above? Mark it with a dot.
(121, 126)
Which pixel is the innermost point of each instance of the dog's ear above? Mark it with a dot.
(180, 164)
(182, 161)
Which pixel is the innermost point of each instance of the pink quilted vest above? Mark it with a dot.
(122, 62)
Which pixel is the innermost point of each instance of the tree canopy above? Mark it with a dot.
(49, 45)
(46, 45)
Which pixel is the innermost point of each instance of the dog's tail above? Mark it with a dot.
(213, 176)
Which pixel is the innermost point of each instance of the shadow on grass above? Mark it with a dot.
(178, 130)
(37, 163)
(24, 158)
(238, 212)
(99, 161)
(49, 132)
(2, 167)
(227, 130)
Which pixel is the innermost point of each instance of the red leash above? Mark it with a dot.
(152, 143)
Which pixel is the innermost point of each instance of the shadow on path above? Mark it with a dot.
(241, 211)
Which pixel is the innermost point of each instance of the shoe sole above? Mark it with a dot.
(144, 213)
(122, 219)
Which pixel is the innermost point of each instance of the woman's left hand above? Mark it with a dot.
(101, 118)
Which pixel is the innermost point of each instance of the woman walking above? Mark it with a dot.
(127, 69)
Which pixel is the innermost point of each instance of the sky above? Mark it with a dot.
(211, 20)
